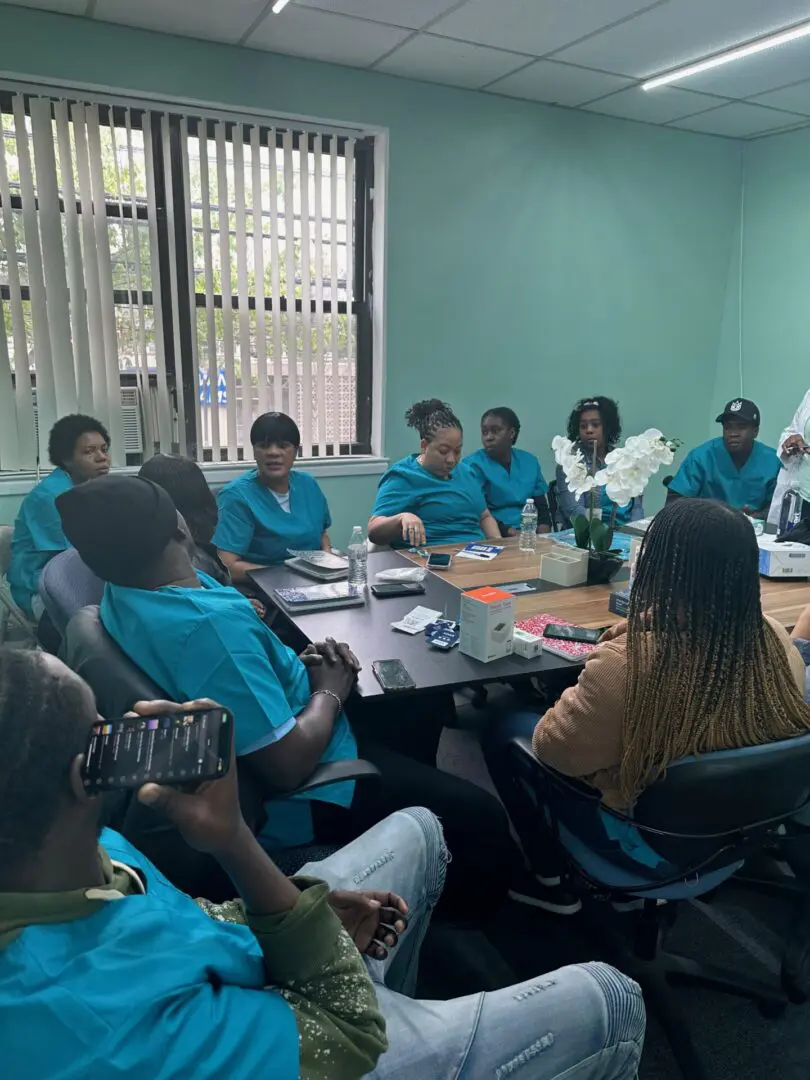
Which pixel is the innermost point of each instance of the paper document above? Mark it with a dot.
(416, 621)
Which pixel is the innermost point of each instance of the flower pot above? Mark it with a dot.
(603, 567)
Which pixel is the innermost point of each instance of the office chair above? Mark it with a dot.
(67, 585)
(702, 819)
(15, 625)
(118, 683)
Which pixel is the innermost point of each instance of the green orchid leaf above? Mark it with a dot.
(582, 530)
(601, 535)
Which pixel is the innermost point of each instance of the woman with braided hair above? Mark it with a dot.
(431, 497)
(696, 667)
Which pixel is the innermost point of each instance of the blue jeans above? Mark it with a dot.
(584, 1022)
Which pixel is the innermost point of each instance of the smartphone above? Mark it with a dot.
(437, 561)
(574, 633)
(177, 748)
(398, 588)
(392, 675)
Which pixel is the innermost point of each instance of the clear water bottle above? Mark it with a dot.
(358, 558)
(791, 512)
(528, 526)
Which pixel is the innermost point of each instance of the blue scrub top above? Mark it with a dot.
(145, 986)
(37, 537)
(450, 509)
(253, 525)
(507, 490)
(708, 472)
(209, 643)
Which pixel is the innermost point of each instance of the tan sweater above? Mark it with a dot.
(581, 736)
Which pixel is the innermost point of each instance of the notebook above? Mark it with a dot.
(319, 565)
(578, 651)
(320, 597)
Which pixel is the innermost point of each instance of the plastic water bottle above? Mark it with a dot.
(791, 512)
(528, 527)
(358, 558)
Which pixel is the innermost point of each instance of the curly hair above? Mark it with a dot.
(507, 416)
(66, 432)
(609, 412)
(431, 416)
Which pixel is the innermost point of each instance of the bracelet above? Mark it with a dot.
(331, 694)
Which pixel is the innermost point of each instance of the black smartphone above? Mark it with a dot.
(438, 561)
(177, 748)
(574, 633)
(392, 675)
(398, 588)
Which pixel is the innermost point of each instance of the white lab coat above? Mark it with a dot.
(783, 481)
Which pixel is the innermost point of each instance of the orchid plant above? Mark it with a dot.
(627, 471)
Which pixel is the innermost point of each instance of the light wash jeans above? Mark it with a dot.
(584, 1022)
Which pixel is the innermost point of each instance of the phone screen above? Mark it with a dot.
(573, 633)
(398, 588)
(392, 675)
(177, 748)
(437, 561)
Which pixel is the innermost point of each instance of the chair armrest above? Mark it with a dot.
(334, 772)
(521, 748)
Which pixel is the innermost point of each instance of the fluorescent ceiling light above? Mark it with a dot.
(279, 6)
(739, 53)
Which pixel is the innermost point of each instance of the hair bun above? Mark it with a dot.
(421, 410)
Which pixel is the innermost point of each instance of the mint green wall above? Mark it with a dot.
(776, 277)
(534, 254)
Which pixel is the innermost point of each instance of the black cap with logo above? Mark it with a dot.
(741, 410)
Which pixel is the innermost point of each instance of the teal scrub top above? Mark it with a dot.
(253, 524)
(37, 537)
(146, 986)
(708, 472)
(209, 643)
(507, 490)
(450, 508)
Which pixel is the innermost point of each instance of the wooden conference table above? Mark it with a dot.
(368, 630)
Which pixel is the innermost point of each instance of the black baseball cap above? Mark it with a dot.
(740, 409)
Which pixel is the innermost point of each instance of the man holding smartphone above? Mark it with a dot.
(106, 968)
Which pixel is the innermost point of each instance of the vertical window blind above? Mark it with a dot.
(177, 276)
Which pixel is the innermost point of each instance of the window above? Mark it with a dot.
(176, 276)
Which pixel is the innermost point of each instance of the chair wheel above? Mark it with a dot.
(772, 1008)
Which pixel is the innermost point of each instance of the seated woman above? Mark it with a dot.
(595, 426)
(431, 497)
(695, 668)
(272, 508)
(79, 450)
(509, 477)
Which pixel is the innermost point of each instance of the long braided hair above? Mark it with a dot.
(705, 671)
(431, 416)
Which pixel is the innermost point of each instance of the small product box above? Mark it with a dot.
(526, 645)
(487, 623)
(783, 560)
(619, 603)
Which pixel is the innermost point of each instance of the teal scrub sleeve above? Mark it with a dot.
(44, 524)
(688, 481)
(770, 488)
(242, 680)
(235, 526)
(393, 497)
(327, 517)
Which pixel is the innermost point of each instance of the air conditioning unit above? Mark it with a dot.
(131, 419)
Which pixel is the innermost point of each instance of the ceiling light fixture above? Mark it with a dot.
(279, 6)
(739, 53)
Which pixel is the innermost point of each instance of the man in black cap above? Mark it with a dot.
(196, 638)
(736, 469)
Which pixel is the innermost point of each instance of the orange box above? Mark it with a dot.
(487, 623)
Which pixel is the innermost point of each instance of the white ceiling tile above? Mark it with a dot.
(656, 106)
(557, 84)
(792, 98)
(66, 7)
(681, 31)
(738, 120)
(412, 13)
(210, 19)
(756, 74)
(534, 27)
(318, 35)
(454, 63)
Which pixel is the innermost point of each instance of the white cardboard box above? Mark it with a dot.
(487, 623)
(526, 644)
(783, 560)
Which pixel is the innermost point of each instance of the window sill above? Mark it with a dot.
(217, 475)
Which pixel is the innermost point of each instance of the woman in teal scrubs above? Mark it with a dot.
(431, 497)
(273, 508)
(508, 477)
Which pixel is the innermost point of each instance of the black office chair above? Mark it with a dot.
(702, 819)
(554, 507)
(118, 683)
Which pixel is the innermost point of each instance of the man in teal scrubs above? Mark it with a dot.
(78, 448)
(736, 469)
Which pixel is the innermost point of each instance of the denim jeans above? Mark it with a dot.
(584, 1022)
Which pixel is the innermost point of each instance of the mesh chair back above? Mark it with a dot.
(66, 586)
